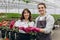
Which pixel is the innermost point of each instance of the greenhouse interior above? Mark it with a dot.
(11, 11)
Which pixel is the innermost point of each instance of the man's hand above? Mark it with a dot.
(41, 30)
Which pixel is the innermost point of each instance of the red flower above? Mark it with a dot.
(7, 39)
(0, 24)
(29, 29)
(25, 29)
(34, 29)
(4, 23)
(21, 28)
(12, 23)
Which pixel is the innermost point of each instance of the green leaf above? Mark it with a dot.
(27, 1)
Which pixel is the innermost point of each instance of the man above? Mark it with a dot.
(44, 22)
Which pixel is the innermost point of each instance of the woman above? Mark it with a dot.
(25, 21)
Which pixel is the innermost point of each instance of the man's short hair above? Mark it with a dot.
(42, 4)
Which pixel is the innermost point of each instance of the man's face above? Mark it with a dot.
(41, 9)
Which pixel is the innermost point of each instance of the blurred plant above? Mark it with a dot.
(27, 1)
(15, 29)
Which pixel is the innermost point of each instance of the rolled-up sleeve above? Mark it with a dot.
(49, 24)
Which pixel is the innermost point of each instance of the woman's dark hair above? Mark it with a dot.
(22, 17)
(42, 4)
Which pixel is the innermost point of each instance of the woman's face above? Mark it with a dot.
(26, 14)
